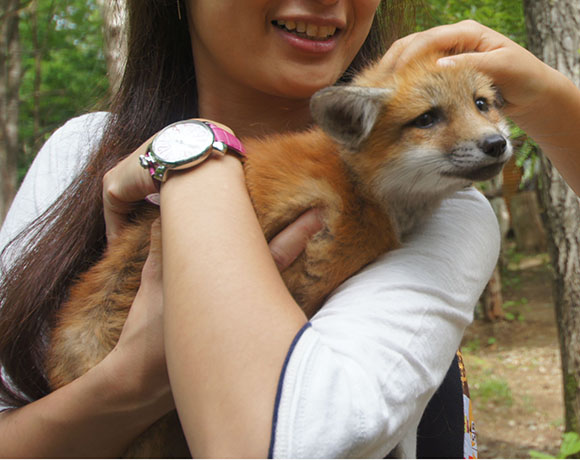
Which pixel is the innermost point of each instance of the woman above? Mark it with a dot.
(225, 347)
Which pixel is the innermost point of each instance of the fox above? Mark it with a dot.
(384, 151)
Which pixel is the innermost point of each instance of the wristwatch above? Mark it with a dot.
(185, 144)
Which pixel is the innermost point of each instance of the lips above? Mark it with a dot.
(307, 30)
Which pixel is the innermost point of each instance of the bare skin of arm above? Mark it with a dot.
(239, 325)
(541, 100)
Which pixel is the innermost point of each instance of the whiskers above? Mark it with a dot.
(417, 175)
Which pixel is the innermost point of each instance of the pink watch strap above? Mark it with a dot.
(227, 138)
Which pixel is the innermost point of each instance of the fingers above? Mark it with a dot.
(290, 242)
(123, 186)
(152, 270)
(155, 254)
(465, 36)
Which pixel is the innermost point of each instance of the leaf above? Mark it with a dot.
(537, 454)
(570, 445)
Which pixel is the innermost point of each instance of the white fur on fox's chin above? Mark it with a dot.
(413, 185)
(416, 175)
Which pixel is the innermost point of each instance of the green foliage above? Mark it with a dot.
(72, 73)
(493, 390)
(505, 16)
(513, 308)
(526, 153)
(569, 448)
(472, 346)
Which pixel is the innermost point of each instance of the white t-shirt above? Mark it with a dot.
(359, 376)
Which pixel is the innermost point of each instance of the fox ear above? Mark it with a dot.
(348, 113)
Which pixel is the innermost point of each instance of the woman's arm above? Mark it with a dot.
(94, 416)
(540, 99)
(230, 322)
(229, 319)
(360, 377)
(103, 411)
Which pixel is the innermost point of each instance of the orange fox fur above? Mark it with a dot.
(388, 148)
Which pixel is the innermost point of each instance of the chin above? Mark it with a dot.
(302, 85)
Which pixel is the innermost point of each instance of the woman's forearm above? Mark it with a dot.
(554, 123)
(229, 319)
(90, 417)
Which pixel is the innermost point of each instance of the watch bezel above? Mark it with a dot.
(191, 160)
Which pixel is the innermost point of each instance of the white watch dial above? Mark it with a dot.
(183, 142)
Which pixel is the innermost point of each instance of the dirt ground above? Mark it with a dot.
(513, 368)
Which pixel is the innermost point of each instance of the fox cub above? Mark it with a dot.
(386, 150)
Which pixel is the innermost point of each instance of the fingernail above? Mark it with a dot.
(153, 198)
(446, 62)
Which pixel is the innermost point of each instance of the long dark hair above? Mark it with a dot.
(158, 88)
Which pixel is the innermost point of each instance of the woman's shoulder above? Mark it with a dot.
(66, 151)
(81, 134)
(57, 163)
(85, 123)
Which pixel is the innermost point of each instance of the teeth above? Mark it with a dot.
(310, 30)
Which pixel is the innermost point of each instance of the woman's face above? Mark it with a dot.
(287, 48)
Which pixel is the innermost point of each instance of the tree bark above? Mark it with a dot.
(554, 36)
(36, 43)
(114, 31)
(10, 74)
(492, 298)
(527, 223)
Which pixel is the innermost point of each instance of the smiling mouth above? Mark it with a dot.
(305, 30)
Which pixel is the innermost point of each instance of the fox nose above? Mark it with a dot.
(493, 145)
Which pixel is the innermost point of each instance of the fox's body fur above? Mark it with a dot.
(387, 150)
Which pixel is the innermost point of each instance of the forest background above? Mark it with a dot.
(64, 70)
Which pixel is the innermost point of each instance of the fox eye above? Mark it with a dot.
(427, 120)
(482, 104)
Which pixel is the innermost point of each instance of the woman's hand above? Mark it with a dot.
(123, 186)
(290, 242)
(139, 356)
(541, 100)
(522, 78)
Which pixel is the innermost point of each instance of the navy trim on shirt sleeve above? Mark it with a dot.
(279, 390)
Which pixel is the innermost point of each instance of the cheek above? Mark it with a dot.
(364, 13)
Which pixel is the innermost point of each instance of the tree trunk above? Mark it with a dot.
(492, 298)
(554, 36)
(527, 223)
(114, 18)
(36, 43)
(10, 74)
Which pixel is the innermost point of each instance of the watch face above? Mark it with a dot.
(183, 143)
